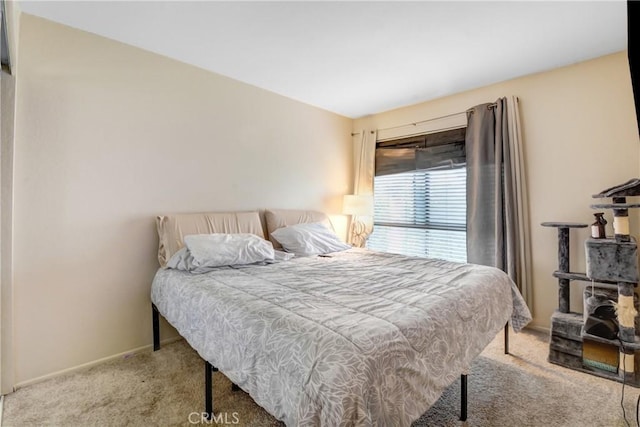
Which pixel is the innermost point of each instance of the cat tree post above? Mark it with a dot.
(564, 294)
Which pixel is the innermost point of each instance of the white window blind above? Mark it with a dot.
(421, 213)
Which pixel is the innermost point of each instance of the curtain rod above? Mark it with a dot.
(489, 107)
(493, 105)
(414, 123)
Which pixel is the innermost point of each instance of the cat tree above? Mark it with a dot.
(587, 341)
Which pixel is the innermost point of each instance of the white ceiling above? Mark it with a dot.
(358, 58)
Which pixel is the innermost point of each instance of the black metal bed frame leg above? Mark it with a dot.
(156, 327)
(506, 338)
(208, 391)
(463, 378)
(463, 397)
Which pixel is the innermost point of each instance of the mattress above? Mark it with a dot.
(358, 338)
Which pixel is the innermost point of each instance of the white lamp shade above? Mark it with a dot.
(357, 204)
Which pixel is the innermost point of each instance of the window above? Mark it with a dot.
(421, 212)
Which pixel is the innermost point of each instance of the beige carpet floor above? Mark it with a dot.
(165, 387)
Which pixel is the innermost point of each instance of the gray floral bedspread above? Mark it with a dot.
(357, 339)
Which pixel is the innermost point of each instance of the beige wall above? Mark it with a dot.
(580, 136)
(107, 137)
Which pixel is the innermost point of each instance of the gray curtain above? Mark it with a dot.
(491, 199)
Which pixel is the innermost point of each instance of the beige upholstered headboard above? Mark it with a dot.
(278, 218)
(173, 228)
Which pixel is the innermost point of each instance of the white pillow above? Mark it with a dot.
(203, 252)
(309, 239)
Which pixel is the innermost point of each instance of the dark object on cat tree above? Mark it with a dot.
(602, 322)
(597, 228)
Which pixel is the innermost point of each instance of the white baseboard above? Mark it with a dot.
(90, 364)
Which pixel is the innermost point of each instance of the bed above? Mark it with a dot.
(348, 338)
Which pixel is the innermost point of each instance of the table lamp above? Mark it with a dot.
(358, 205)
